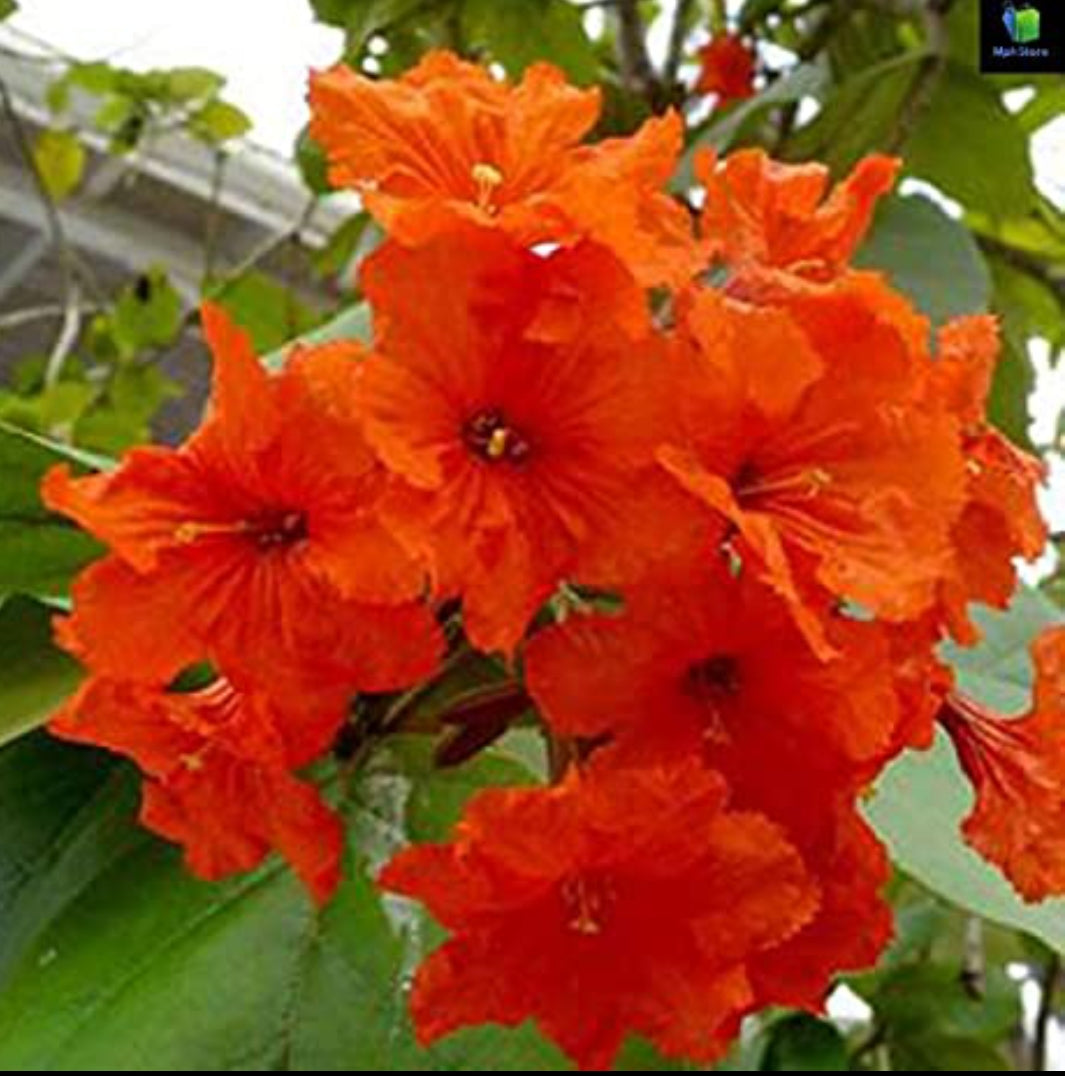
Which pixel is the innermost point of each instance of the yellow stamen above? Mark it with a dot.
(191, 532)
(487, 178)
(192, 762)
(584, 906)
(496, 448)
(806, 484)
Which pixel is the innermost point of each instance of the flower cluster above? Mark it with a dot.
(712, 493)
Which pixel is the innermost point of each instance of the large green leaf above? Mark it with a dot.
(35, 676)
(930, 258)
(38, 550)
(969, 146)
(921, 800)
(147, 968)
(521, 32)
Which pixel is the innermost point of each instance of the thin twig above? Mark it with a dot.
(678, 33)
(213, 220)
(930, 67)
(68, 331)
(47, 312)
(1048, 985)
(636, 69)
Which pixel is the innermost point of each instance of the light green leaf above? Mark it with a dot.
(193, 83)
(950, 147)
(930, 258)
(60, 162)
(521, 32)
(219, 121)
(921, 800)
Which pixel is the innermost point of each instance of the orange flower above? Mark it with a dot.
(772, 225)
(616, 901)
(217, 763)
(699, 656)
(726, 68)
(804, 429)
(447, 143)
(256, 544)
(520, 463)
(1001, 519)
(1017, 767)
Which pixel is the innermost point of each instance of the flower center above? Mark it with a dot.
(585, 901)
(268, 530)
(712, 680)
(487, 179)
(488, 435)
(802, 484)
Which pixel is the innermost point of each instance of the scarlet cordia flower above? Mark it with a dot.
(1017, 768)
(617, 901)
(804, 427)
(519, 463)
(726, 69)
(447, 143)
(772, 225)
(703, 654)
(255, 544)
(707, 664)
(1001, 519)
(218, 767)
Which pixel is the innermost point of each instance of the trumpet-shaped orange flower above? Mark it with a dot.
(218, 766)
(1017, 767)
(774, 227)
(1001, 519)
(448, 143)
(616, 901)
(256, 544)
(695, 657)
(519, 463)
(726, 69)
(804, 428)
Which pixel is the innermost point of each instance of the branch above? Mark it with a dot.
(1048, 984)
(931, 66)
(47, 312)
(68, 332)
(677, 34)
(636, 69)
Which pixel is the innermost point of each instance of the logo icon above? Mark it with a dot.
(1022, 22)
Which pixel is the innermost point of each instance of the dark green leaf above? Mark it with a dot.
(39, 551)
(35, 676)
(7, 9)
(802, 1043)
(266, 309)
(313, 166)
(930, 258)
(239, 975)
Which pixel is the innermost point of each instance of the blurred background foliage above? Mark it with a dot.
(104, 352)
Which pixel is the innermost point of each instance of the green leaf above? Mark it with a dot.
(802, 1043)
(244, 974)
(312, 163)
(950, 146)
(64, 813)
(193, 83)
(921, 800)
(35, 676)
(521, 32)
(335, 258)
(930, 258)
(218, 122)
(146, 315)
(945, 1053)
(861, 114)
(7, 9)
(60, 162)
(39, 551)
(265, 309)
